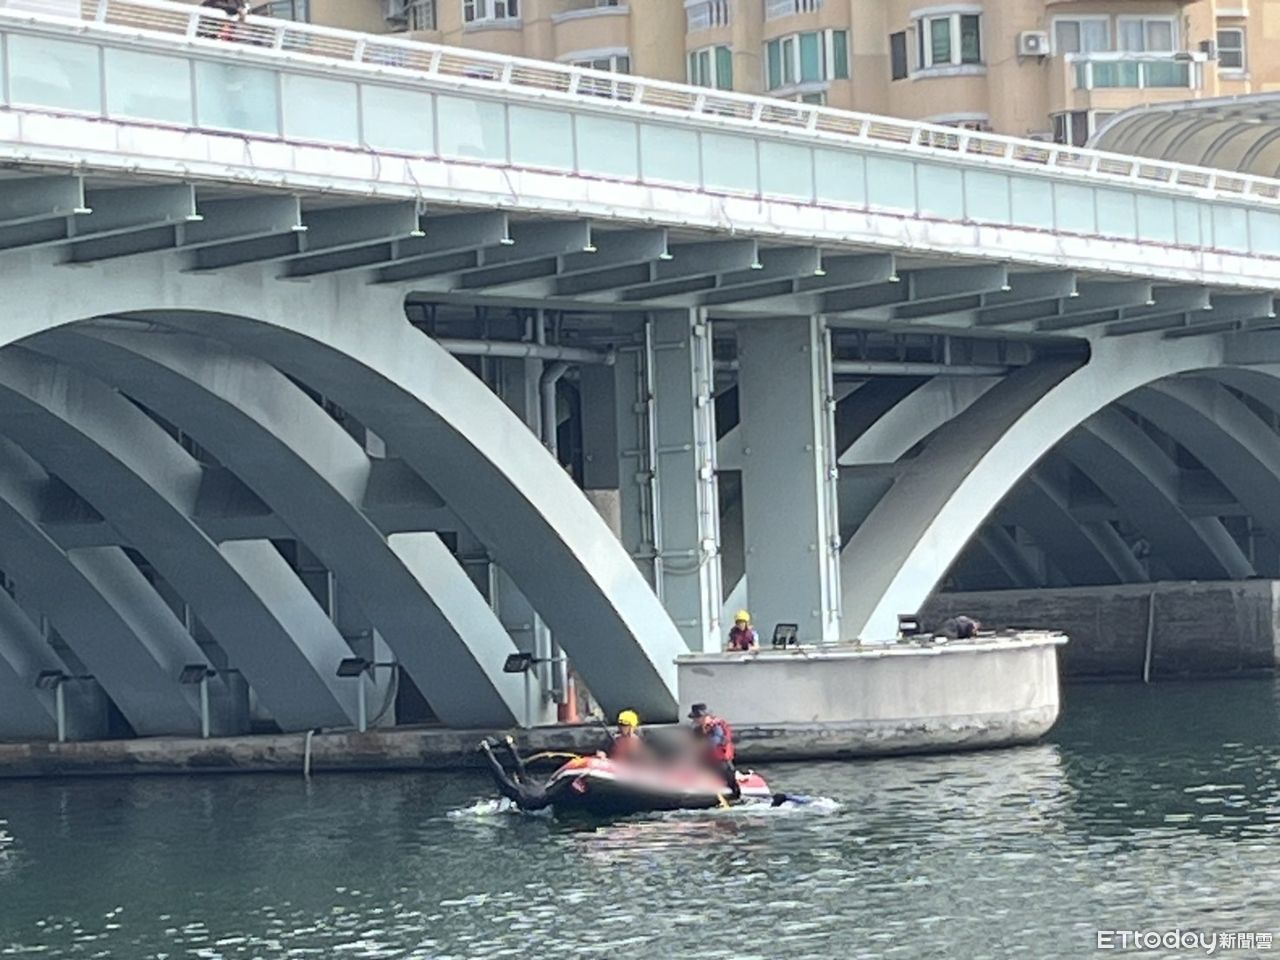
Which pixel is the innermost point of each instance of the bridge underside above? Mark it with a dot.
(266, 433)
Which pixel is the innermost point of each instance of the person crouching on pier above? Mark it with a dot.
(743, 636)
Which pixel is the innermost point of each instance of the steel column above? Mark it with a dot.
(789, 474)
(681, 454)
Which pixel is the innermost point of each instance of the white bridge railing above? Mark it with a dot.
(386, 54)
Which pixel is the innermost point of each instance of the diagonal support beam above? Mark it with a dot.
(1229, 312)
(803, 296)
(448, 237)
(326, 231)
(30, 199)
(921, 286)
(628, 253)
(1024, 288)
(220, 221)
(1090, 297)
(696, 266)
(1165, 303)
(108, 214)
(780, 269)
(535, 251)
(529, 249)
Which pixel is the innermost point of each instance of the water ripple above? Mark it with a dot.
(1156, 808)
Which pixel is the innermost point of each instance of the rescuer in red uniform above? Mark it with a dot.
(718, 737)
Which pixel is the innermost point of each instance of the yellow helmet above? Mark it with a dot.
(628, 718)
(742, 617)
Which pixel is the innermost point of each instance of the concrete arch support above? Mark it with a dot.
(103, 607)
(146, 486)
(940, 499)
(1130, 468)
(314, 476)
(1223, 433)
(353, 343)
(25, 712)
(1085, 553)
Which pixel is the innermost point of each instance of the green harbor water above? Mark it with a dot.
(1153, 810)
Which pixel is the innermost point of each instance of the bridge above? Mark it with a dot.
(323, 347)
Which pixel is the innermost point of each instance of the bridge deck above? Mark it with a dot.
(273, 103)
(471, 178)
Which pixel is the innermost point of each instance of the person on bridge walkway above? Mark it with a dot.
(627, 745)
(234, 9)
(743, 636)
(718, 752)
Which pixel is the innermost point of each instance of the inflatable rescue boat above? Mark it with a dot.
(598, 785)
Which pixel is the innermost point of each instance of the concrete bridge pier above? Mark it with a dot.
(790, 475)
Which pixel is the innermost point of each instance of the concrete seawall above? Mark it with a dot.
(1196, 629)
(406, 749)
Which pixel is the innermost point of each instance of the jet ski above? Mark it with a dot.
(603, 787)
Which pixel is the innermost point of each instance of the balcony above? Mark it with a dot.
(1115, 80)
(577, 9)
(1140, 71)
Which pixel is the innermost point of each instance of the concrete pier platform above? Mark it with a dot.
(855, 701)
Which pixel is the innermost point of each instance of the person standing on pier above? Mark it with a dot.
(743, 636)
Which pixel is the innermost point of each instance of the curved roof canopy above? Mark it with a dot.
(1233, 133)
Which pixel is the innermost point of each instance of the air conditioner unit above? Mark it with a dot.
(1033, 43)
(1209, 49)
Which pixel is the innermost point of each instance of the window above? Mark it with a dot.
(1231, 48)
(617, 63)
(421, 15)
(704, 14)
(483, 11)
(807, 58)
(1075, 128)
(898, 69)
(948, 39)
(712, 67)
(287, 10)
(1071, 128)
(1081, 35)
(1150, 34)
(785, 8)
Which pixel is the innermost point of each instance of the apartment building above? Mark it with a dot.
(1055, 69)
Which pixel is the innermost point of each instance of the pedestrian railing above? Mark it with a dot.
(537, 79)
